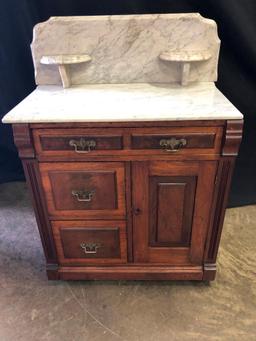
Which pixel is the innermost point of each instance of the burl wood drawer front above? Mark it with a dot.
(89, 190)
(90, 242)
(76, 142)
(178, 140)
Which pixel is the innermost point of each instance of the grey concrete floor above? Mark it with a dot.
(32, 308)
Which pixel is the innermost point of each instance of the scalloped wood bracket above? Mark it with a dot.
(23, 140)
(233, 137)
(63, 62)
(185, 58)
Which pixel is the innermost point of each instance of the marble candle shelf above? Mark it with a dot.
(185, 58)
(63, 61)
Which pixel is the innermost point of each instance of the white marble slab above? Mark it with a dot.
(123, 102)
(126, 48)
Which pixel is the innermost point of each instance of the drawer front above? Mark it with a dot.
(181, 140)
(84, 190)
(90, 242)
(76, 142)
(94, 143)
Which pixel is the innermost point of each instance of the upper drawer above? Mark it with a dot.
(86, 143)
(182, 140)
(50, 142)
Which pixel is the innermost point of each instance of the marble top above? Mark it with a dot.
(123, 102)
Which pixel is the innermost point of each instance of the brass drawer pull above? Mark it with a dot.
(173, 144)
(83, 195)
(90, 248)
(83, 146)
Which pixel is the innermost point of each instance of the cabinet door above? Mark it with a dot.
(171, 208)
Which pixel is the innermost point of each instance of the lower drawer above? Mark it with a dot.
(90, 242)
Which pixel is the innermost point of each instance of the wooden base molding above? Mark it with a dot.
(131, 273)
(209, 272)
(52, 271)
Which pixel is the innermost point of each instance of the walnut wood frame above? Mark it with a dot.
(228, 145)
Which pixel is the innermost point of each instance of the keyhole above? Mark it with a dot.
(137, 211)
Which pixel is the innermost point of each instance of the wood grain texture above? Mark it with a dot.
(53, 144)
(193, 253)
(132, 273)
(232, 137)
(105, 179)
(223, 182)
(129, 210)
(135, 124)
(101, 186)
(194, 140)
(171, 205)
(135, 155)
(160, 214)
(23, 140)
(202, 209)
(34, 183)
(111, 235)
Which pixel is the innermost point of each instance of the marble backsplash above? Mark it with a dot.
(126, 48)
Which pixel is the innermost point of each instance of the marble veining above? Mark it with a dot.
(123, 102)
(63, 61)
(126, 49)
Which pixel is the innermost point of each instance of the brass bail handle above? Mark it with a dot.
(90, 248)
(83, 195)
(82, 145)
(173, 144)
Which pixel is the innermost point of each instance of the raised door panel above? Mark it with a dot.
(172, 203)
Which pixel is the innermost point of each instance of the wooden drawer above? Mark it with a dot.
(90, 242)
(177, 140)
(90, 190)
(76, 142)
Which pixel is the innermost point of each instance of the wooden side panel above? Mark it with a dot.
(224, 176)
(34, 183)
(231, 143)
